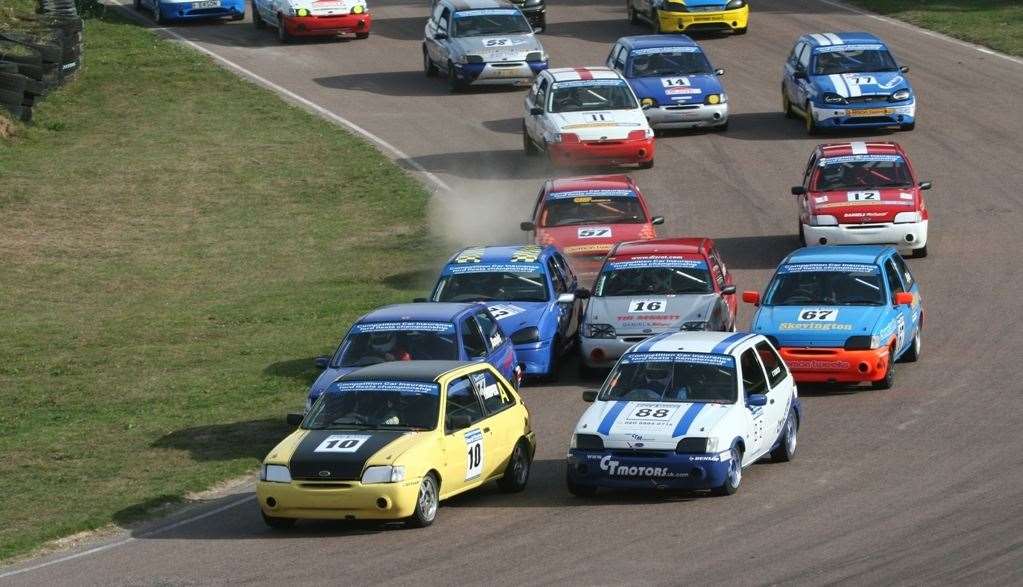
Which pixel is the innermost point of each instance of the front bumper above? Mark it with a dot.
(327, 26)
(536, 357)
(512, 73)
(687, 115)
(187, 11)
(623, 152)
(865, 116)
(723, 20)
(657, 470)
(835, 365)
(903, 236)
(602, 353)
(348, 500)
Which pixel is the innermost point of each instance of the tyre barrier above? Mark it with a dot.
(35, 60)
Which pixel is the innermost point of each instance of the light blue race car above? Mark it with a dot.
(532, 292)
(846, 80)
(165, 11)
(675, 83)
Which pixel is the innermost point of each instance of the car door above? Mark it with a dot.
(465, 444)
(474, 348)
(803, 200)
(916, 311)
(500, 350)
(538, 99)
(438, 47)
(754, 382)
(502, 426)
(779, 395)
(576, 310)
(562, 312)
(723, 279)
(801, 77)
(903, 315)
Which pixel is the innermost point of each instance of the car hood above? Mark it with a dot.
(859, 84)
(327, 376)
(683, 89)
(497, 47)
(328, 7)
(591, 240)
(600, 124)
(615, 422)
(783, 323)
(615, 310)
(868, 205)
(315, 456)
(513, 316)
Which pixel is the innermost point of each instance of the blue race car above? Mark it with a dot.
(408, 332)
(530, 289)
(165, 11)
(846, 80)
(674, 81)
(842, 314)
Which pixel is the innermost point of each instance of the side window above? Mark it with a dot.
(462, 401)
(445, 17)
(804, 58)
(907, 276)
(794, 55)
(494, 395)
(437, 10)
(753, 380)
(772, 363)
(612, 55)
(541, 95)
(566, 269)
(536, 208)
(717, 268)
(557, 279)
(894, 281)
(472, 340)
(810, 164)
(620, 59)
(490, 330)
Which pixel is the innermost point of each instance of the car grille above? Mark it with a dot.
(645, 453)
(712, 8)
(686, 107)
(506, 64)
(867, 98)
(870, 120)
(860, 226)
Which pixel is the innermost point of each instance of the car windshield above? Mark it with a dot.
(349, 405)
(664, 276)
(668, 62)
(672, 377)
(567, 209)
(496, 286)
(853, 59)
(858, 172)
(477, 23)
(584, 96)
(382, 342)
(830, 284)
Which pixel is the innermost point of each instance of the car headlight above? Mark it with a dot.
(733, 4)
(647, 103)
(533, 2)
(526, 335)
(862, 343)
(832, 98)
(696, 325)
(823, 220)
(275, 474)
(907, 217)
(302, 12)
(673, 7)
(713, 443)
(383, 474)
(900, 95)
(587, 442)
(712, 99)
(600, 331)
(472, 59)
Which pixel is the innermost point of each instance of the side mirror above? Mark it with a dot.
(527, 226)
(756, 399)
(566, 298)
(728, 290)
(582, 293)
(657, 220)
(798, 190)
(321, 362)
(751, 297)
(925, 185)
(439, 36)
(590, 396)
(419, 300)
(537, 29)
(295, 419)
(904, 298)
(535, 111)
(904, 68)
(719, 71)
(457, 422)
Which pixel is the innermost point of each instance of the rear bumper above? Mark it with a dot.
(624, 152)
(185, 10)
(323, 26)
(349, 500)
(823, 365)
(702, 115)
(903, 236)
(866, 116)
(723, 20)
(519, 73)
(675, 471)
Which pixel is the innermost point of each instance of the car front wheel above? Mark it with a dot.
(889, 375)
(278, 523)
(427, 502)
(734, 477)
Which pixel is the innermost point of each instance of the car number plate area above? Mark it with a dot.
(506, 72)
(871, 112)
(206, 4)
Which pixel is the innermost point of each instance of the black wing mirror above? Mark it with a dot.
(535, 111)
(728, 290)
(798, 190)
(590, 395)
(321, 362)
(294, 419)
(527, 226)
(439, 36)
(719, 71)
(904, 68)
(582, 293)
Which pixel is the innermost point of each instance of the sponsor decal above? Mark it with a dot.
(858, 158)
(403, 387)
(664, 50)
(859, 79)
(900, 331)
(615, 469)
(818, 314)
(873, 203)
(594, 232)
(820, 199)
(865, 214)
(824, 326)
(497, 42)
(341, 443)
(502, 311)
(714, 360)
(817, 365)
(411, 326)
(649, 318)
(673, 91)
(587, 83)
(827, 267)
(487, 12)
(905, 196)
(850, 48)
(578, 194)
(494, 268)
(656, 263)
(579, 249)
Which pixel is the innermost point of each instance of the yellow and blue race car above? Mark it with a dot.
(390, 441)
(676, 16)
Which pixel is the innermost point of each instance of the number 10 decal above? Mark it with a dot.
(474, 453)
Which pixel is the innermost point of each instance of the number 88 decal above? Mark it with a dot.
(651, 413)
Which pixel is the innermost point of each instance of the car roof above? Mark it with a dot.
(503, 254)
(404, 371)
(654, 41)
(663, 246)
(422, 311)
(567, 74)
(838, 254)
(694, 342)
(860, 148)
(478, 4)
(592, 182)
(829, 39)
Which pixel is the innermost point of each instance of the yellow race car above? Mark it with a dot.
(676, 16)
(392, 440)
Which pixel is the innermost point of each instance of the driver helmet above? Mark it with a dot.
(382, 342)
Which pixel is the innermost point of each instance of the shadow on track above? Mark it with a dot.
(387, 83)
(756, 252)
(773, 126)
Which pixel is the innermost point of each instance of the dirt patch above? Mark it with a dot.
(6, 127)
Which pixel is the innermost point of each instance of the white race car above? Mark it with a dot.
(686, 410)
(586, 116)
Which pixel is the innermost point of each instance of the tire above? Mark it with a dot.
(802, 235)
(579, 490)
(646, 164)
(516, 474)
(920, 253)
(157, 15)
(428, 67)
(528, 146)
(543, 23)
(633, 17)
(453, 84)
(427, 502)
(889, 376)
(811, 125)
(361, 36)
(907, 127)
(257, 20)
(741, 31)
(734, 478)
(282, 33)
(786, 105)
(277, 523)
(786, 449)
(912, 354)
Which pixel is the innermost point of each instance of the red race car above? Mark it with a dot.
(585, 216)
(862, 193)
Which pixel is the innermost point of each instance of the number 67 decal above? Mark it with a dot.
(818, 315)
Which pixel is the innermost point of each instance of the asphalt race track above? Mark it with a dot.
(919, 484)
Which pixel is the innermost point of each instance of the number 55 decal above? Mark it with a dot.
(818, 315)
(474, 453)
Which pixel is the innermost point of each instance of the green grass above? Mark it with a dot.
(995, 23)
(175, 246)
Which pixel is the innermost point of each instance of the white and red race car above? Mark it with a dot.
(586, 116)
(862, 193)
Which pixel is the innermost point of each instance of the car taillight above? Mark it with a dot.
(569, 137)
(637, 135)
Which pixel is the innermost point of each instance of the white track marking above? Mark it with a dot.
(123, 541)
(922, 31)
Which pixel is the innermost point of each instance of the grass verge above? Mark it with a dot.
(994, 23)
(175, 246)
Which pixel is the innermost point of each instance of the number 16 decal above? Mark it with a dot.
(474, 453)
(646, 306)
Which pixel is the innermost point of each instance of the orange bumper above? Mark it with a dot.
(823, 365)
(623, 152)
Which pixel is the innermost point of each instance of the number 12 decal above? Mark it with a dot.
(474, 453)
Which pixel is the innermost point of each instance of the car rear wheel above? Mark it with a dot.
(516, 474)
(361, 36)
(278, 523)
(811, 124)
(655, 22)
(786, 105)
(734, 477)
(426, 503)
(907, 127)
(282, 31)
(912, 354)
(157, 13)
(428, 67)
(786, 449)
(741, 31)
(889, 375)
(633, 17)
(646, 164)
(528, 146)
(802, 235)
(257, 20)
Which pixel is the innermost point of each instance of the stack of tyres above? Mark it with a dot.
(12, 89)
